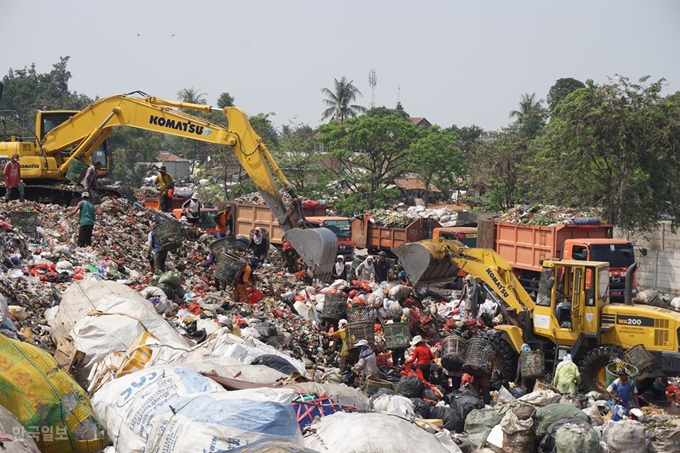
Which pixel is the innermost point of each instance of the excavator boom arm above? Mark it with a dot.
(87, 129)
(437, 260)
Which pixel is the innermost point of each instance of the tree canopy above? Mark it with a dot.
(339, 101)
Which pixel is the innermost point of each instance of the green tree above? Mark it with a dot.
(501, 161)
(27, 91)
(194, 150)
(339, 101)
(560, 90)
(530, 118)
(225, 100)
(262, 124)
(384, 111)
(132, 150)
(615, 146)
(367, 153)
(298, 156)
(434, 157)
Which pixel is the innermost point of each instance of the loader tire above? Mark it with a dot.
(506, 356)
(593, 367)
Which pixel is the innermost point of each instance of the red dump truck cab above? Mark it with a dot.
(342, 228)
(619, 253)
(526, 246)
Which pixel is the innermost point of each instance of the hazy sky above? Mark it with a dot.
(456, 62)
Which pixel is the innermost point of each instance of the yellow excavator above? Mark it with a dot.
(572, 312)
(65, 139)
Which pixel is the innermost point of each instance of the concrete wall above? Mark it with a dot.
(660, 269)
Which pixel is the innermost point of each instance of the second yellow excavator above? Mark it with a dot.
(572, 312)
(66, 138)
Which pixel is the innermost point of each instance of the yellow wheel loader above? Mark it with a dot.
(68, 140)
(572, 312)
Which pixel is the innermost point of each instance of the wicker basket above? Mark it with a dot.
(362, 314)
(532, 364)
(168, 235)
(228, 266)
(479, 357)
(397, 335)
(76, 170)
(26, 221)
(613, 371)
(371, 386)
(334, 307)
(639, 356)
(223, 247)
(542, 385)
(454, 348)
(360, 331)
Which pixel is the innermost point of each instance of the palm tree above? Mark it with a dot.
(339, 101)
(191, 96)
(527, 106)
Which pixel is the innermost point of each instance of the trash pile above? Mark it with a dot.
(402, 218)
(548, 215)
(99, 353)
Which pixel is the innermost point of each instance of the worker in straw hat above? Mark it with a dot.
(368, 363)
(421, 356)
(192, 210)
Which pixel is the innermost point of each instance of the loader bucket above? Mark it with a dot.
(317, 247)
(427, 262)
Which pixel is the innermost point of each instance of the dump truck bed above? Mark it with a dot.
(366, 234)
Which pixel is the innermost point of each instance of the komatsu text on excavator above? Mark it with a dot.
(571, 313)
(67, 138)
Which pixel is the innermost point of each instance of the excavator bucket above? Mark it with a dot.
(317, 247)
(427, 262)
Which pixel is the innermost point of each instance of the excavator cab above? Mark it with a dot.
(571, 295)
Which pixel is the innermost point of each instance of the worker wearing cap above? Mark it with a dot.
(368, 362)
(341, 334)
(244, 279)
(192, 210)
(382, 268)
(85, 220)
(623, 390)
(12, 174)
(165, 183)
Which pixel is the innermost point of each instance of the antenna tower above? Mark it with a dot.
(372, 82)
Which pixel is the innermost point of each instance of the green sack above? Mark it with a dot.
(571, 437)
(480, 420)
(547, 415)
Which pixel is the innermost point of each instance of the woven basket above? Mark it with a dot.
(531, 364)
(223, 247)
(76, 170)
(397, 335)
(334, 307)
(542, 385)
(360, 331)
(168, 235)
(26, 221)
(371, 386)
(454, 349)
(639, 356)
(613, 371)
(479, 357)
(362, 314)
(228, 266)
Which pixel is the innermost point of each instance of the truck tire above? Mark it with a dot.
(506, 356)
(593, 367)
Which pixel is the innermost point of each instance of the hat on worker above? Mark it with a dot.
(417, 339)
(361, 343)
(468, 278)
(623, 372)
(85, 195)
(194, 196)
(163, 168)
(342, 322)
(382, 253)
(340, 258)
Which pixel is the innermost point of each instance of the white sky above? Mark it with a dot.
(457, 62)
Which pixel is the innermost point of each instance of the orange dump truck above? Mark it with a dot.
(366, 234)
(526, 246)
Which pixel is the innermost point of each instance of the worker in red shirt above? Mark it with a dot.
(421, 356)
(12, 175)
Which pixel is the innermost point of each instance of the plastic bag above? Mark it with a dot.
(504, 396)
(625, 436)
(550, 414)
(452, 418)
(480, 420)
(410, 387)
(275, 362)
(576, 437)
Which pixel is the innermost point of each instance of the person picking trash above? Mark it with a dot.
(366, 270)
(624, 391)
(567, 376)
(244, 280)
(422, 356)
(85, 220)
(368, 363)
(341, 334)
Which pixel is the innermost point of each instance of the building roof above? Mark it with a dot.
(420, 121)
(165, 156)
(413, 184)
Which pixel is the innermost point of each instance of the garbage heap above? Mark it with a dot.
(402, 217)
(99, 353)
